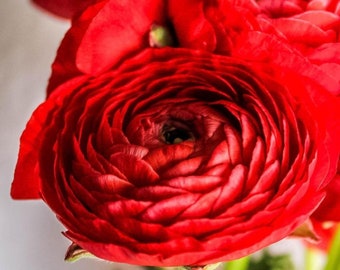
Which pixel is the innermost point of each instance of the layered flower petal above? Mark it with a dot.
(182, 157)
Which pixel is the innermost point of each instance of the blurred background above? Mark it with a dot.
(30, 235)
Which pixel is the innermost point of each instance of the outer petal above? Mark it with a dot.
(64, 67)
(329, 210)
(109, 38)
(26, 182)
(97, 40)
(331, 5)
(280, 7)
(192, 28)
(323, 19)
(303, 31)
(64, 8)
(257, 46)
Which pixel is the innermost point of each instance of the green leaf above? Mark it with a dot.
(272, 262)
(313, 259)
(333, 259)
(240, 264)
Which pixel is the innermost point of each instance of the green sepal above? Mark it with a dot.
(201, 267)
(205, 267)
(333, 259)
(272, 262)
(75, 253)
(239, 264)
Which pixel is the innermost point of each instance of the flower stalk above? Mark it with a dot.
(240, 264)
(333, 259)
(312, 259)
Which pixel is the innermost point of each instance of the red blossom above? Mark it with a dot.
(205, 151)
(180, 157)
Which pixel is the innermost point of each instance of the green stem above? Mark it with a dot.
(333, 259)
(153, 268)
(240, 264)
(312, 259)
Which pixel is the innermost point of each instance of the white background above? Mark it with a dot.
(30, 235)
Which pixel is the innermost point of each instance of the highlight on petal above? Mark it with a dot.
(303, 31)
(331, 5)
(323, 19)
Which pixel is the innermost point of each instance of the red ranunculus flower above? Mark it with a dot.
(181, 157)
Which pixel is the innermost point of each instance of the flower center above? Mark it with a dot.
(174, 135)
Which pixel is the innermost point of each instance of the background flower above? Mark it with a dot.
(263, 31)
(313, 27)
(31, 236)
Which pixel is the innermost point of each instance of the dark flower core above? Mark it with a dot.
(174, 135)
